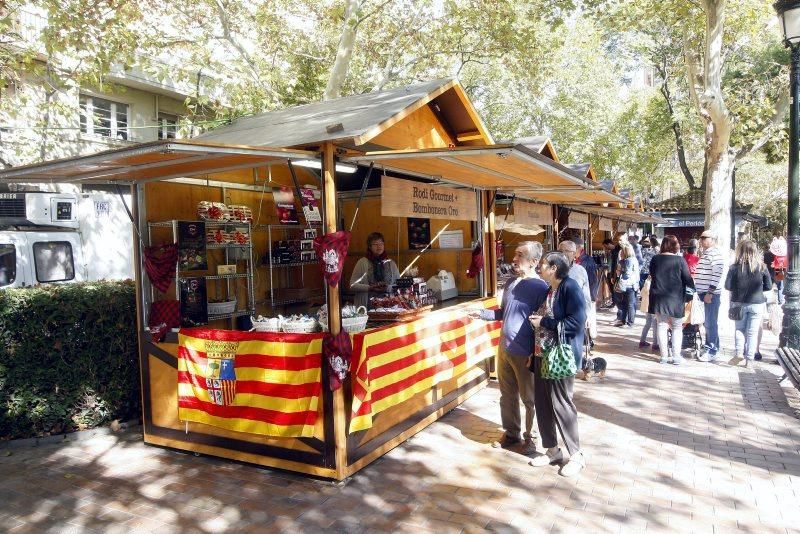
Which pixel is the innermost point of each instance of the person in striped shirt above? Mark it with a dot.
(708, 283)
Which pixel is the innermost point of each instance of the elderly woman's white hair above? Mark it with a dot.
(532, 250)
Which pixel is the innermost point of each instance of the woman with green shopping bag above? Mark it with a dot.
(560, 329)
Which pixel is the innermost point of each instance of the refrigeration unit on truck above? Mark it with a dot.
(63, 237)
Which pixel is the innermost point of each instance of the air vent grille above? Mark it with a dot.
(12, 207)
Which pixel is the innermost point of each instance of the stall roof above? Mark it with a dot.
(538, 143)
(159, 160)
(354, 120)
(624, 214)
(511, 169)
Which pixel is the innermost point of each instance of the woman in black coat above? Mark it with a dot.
(669, 280)
(565, 310)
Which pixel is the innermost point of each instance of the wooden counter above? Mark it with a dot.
(277, 412)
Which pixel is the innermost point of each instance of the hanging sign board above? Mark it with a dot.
(527, 213)
(606, 225)
(579, 221)
(402, 198)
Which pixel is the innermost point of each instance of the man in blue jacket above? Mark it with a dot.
(522, 296)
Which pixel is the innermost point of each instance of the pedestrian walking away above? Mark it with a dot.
(565, 312)
(649, 251)
(626, 286)
(747, 280)
(522, 296)
(708, 281)
(588, 263)
(669, 281)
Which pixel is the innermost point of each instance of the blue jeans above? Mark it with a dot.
(626, 306)
(779, 285)
(712, 323)
(747, 330)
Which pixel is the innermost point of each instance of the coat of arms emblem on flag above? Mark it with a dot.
(221, 371)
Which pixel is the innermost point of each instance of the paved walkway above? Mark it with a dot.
(702, 447)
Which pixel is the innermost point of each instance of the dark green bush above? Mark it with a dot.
(68, 358)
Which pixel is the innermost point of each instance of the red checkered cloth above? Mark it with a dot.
(331, 251)
(337, 351)
(160, 262)
(476, 266)
(164, 314)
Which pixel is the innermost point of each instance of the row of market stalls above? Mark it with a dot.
(268, 216)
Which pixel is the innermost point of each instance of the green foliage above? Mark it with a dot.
(68, 358)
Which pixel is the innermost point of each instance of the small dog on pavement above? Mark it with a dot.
(593, 367)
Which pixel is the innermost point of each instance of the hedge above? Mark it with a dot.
(68, 358)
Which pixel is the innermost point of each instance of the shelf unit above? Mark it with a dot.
(243, 253)
(273, 295)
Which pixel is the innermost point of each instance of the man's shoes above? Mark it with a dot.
(618, 323)
(735, 360)
(574, 466)
(679, 361)
(758, 357)
(528, 447)
(643, 344)
(656, 348)
(551, 457)
(664, 361)
(704, 357)
(506, 442)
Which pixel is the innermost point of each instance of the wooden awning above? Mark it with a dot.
(511, 169)
(160, 160)
(623, 214)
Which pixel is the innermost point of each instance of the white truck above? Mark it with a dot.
(64, 237)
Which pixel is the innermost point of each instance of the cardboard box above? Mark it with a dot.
(226, 269)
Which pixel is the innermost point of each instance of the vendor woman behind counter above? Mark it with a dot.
(373, 274)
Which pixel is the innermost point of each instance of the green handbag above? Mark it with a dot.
(558, 360)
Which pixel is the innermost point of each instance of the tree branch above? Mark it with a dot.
(775, 122)
(228, 36)
(692, 66)
(676, 127)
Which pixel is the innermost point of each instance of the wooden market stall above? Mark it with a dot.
(269, 398)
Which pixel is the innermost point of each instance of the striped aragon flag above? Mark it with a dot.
(266, 384)
(393, 364)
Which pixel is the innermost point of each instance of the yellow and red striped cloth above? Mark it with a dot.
(260, 383)
(395, 363)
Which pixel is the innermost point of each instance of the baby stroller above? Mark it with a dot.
(691, 340)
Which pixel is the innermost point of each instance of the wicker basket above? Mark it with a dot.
(217, 236)
(353, 325)
(269, 324)
(222, 308)
(213, 211)
(240, 213)
(295, 327)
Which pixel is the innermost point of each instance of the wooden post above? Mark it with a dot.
(334, 309)
(490, 250)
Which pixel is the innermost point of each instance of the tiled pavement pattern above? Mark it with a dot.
(699, 448)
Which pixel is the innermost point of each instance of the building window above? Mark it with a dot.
(53, 261)
(167, 126)
(8, 264)
(104, 118)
